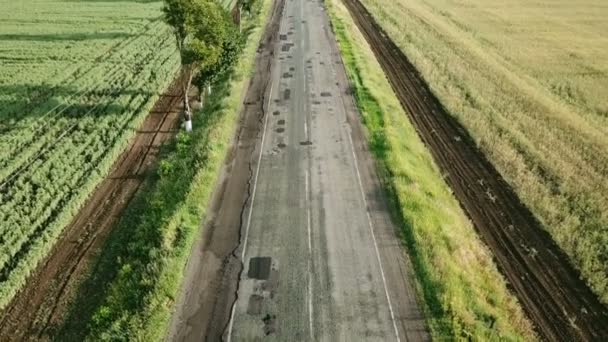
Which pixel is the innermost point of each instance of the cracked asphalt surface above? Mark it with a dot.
(299, 243)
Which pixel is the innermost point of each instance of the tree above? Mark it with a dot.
(242, 5)
(200, 32)
(231, 48)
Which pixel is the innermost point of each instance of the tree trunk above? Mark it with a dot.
(187, 110)
(239, 18)
(201, 97)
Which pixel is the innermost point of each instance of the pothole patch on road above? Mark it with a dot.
(259, 268)
(254, 307)
(270, 324)
(286, 47)
(270, 286)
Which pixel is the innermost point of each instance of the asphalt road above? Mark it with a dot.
(321, 258)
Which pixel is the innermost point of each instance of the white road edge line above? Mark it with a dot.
(371, 229)
(308, 223)
(255, 183)
(308, 226)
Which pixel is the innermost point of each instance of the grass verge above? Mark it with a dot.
(464, 295)
(132, 290)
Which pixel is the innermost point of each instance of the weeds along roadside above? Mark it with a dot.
(136, 281)
(464, 295)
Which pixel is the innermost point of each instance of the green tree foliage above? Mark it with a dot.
(246, 5)
(231, 49)
(201, 30)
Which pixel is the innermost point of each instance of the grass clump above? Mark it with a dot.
(134, 286)
(463, 293)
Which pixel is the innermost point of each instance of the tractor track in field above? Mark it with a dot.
(40, 307)
(551, 291)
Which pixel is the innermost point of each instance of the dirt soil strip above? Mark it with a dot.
(214, 263)
(551, 291)
(43, 303)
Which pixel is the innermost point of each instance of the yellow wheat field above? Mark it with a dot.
(529, 80)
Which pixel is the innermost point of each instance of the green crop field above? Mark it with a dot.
(529, 81)
(76, 78)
